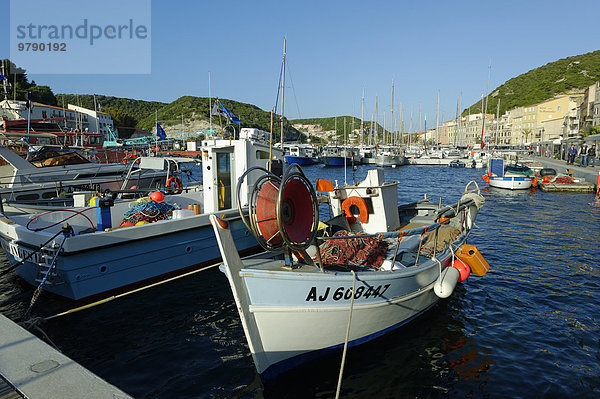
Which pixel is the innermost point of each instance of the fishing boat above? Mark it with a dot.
(340, 156)
(379, 264)
(112, 245)
(511, 177)
(302, 154)
(389, 156)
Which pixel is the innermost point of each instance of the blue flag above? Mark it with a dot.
(230, 114)
(2, 76)
(160, 132)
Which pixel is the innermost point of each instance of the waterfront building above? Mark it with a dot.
(71, 118)
(98, 122)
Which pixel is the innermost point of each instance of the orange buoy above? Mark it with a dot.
(534, 182)
(157, 196)
(486, 178)
(361, 204)
(463, 269)
(472, 257)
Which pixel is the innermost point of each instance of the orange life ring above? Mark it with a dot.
(361, 204)
(174, 185)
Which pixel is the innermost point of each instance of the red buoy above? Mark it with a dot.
(157, 196)
(463, 269)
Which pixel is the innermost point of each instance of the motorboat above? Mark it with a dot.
(511, 177)
(340, 156)
(302, 154)
(108, 245)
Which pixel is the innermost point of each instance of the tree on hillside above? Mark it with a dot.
(22, 86)
(123, 121)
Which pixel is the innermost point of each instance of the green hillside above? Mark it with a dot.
(197, 108)
(330, 123)
(540, 84)
(139, 109)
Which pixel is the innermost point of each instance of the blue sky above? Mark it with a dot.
(335, 48)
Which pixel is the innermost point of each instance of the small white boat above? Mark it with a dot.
(511, 177)
(296, 309)
(93, 250)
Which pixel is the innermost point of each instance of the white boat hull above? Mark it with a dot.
(511, 183)
(318, 322)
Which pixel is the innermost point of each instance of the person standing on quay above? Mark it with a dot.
(592, 155)
(583, 155)
(572, 153)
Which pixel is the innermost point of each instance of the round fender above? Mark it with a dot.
(446, 282)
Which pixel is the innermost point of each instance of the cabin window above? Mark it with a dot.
(27, 197)
(44, 114)
(262, 155)
(224, 180)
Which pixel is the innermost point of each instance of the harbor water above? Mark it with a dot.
(530, 328)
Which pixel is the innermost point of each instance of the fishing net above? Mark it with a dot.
(148, 211)
(354, 253)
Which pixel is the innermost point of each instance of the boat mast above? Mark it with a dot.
(486, 102)
(497, 122)
(209, 105)
(437, 120)
(390, 139)
(362, 117)
(376, 120)
(283, 92)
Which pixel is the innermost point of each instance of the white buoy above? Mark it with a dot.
(444, 286)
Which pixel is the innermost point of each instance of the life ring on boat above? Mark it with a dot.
(128, 157)
(174, 185)
(361, 204)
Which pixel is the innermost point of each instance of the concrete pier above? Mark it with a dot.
(589, 173)
(32, 369)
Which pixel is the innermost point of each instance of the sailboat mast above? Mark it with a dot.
(362, 116)
(209, 105)
(437, 120)
(376, 120)
(486, 103)
(392, 115)
(283, 91)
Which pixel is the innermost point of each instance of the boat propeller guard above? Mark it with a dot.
(281, 211)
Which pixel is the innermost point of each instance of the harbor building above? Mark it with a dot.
(71, 118)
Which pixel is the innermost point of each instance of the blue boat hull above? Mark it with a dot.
(290, 159)
(94, 272)
(337, 161)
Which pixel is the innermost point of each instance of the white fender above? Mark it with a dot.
(444, 286)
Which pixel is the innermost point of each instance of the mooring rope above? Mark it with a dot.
(38, 290)
(339, 384)
(108, 299)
